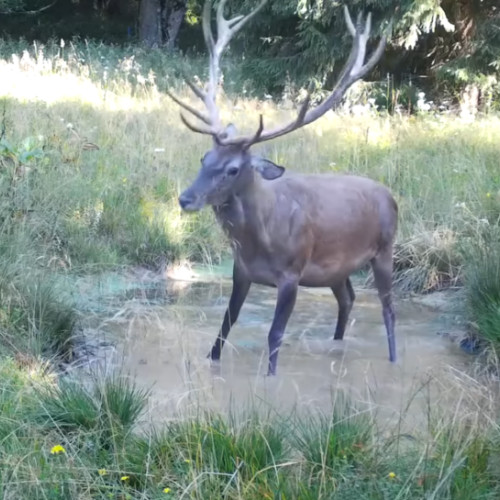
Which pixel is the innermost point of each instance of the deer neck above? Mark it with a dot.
(244, 217)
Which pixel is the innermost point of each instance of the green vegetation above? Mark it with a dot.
(64, 440)
(482, 280)
(92, 158)
(449, 49)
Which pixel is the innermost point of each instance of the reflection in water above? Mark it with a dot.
(167, 350)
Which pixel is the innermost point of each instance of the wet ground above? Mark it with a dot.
(164, 347)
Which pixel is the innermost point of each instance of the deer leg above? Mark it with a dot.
(287, 293)
(382, 272)
(345, 296)
(241, 285)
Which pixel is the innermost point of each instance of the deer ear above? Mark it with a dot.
(266, 168)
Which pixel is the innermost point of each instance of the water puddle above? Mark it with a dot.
(164, 347)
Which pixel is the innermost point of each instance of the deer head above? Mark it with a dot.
(229, 167)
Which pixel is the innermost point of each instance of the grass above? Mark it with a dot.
(482, 286)
(329, 440)
(112, 401)
(65, 439)
(92, 159)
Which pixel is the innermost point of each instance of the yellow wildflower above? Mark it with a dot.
(102, 472)
(125, 478)
(392, 475)
(187, 461)
(166, 490)
(488, 195)
(55, 450)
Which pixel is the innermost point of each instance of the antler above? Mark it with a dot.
(226, 29)
(354, 69)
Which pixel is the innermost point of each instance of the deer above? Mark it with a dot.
(290, 229)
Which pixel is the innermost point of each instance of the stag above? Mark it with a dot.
(290, 230)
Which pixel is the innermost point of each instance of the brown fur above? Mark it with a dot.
(320, 228)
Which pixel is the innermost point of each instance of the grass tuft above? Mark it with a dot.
(111, 403)
(334, 441)
(482, 285)
(121, 400)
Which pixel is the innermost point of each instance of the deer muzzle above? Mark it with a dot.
(189, 202)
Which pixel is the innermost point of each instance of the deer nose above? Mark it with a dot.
(184, 200)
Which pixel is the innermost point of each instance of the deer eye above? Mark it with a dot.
(232, 171)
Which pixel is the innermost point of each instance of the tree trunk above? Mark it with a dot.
(149, 23)
(160, 21)
(173, 22)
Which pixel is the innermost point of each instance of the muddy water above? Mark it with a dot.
(166, 349)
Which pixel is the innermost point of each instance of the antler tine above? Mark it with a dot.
(377, 54)
(361, 37)
(368, 25)
(222, 23)
(348, 20)
(255, 138)
(358, 51)
(207, 30)
(189, 108)
(245, 141)
(196, 90)
(226, 28)
(303, 109)
(195, 128)
(241, 22)
(234, 20)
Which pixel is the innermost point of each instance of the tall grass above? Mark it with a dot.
(482, 284)
(66, 440)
